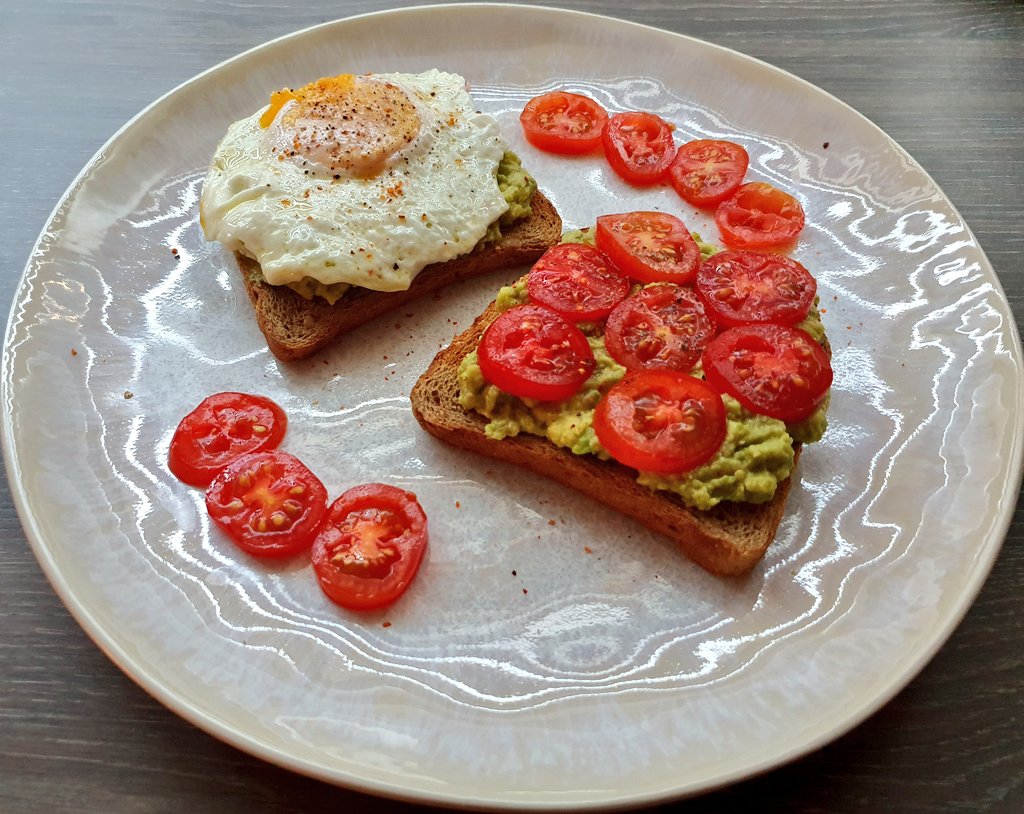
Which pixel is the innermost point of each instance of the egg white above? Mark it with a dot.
(432, 202)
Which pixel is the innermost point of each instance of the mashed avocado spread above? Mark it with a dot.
(516, 185)
(757, 453)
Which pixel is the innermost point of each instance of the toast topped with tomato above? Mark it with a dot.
(672, 382)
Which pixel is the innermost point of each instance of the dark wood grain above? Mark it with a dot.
(945, 78)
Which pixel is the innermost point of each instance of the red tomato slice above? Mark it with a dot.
(533, 353)
(577, 281)
(661, 421)
(639, 147)
(743, 287)
(220, 429)
(759, 216)
(561, 122)
(370, 546)
(649, 246)
(269, 503)
(706, 172)
(774, 370)
(662, 326)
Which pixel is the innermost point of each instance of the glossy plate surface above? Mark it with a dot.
(550, 653)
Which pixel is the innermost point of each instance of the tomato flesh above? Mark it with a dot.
(659, 326)
(759, 216)
(370, 546)
(269, 503)
(222, 427)
(743, 287)
(649, 246)
(705, 172)
(639, 147)
(532, 352)
(775, 370)
(661, 421)
(576, 281)
(561, 122)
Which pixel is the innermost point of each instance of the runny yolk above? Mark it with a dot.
(278, 99)
(345, 124)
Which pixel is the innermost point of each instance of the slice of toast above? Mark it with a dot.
(727, 540)
(295, 327)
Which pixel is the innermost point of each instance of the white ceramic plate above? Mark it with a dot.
(521, 670)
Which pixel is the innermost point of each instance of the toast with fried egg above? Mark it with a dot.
(348, 196)
(726, 540)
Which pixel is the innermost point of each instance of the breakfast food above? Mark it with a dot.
(269, 503)
(370, 546)
(707, 171)
(346, 197)
(640, 147)
(560, 122)
(365, 548)
(759, 216)
(222, 427)
(661, 411)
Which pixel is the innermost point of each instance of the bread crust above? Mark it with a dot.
(295, 327)
(727, 540)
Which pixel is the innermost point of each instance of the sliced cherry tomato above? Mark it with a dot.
(533, 353)
(370, 546)
(743, 287)
(775, 370)
(577, 281)
(220, 429)
(269, 503)
(561, 122)
(661, 326)
(706, 172)
(661, 421)
(759, 216)
(649, 246)
(639, 147)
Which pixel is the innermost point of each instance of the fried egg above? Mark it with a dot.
(362, 180)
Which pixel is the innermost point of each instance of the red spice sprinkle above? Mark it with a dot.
(588, 550)
(74, 352)
(386, 624)
(825, 146)
(551, 522)
(458, 505)
(525, 591)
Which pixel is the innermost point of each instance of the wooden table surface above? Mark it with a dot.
(945, 78)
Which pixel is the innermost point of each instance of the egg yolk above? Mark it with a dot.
(345, 124)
